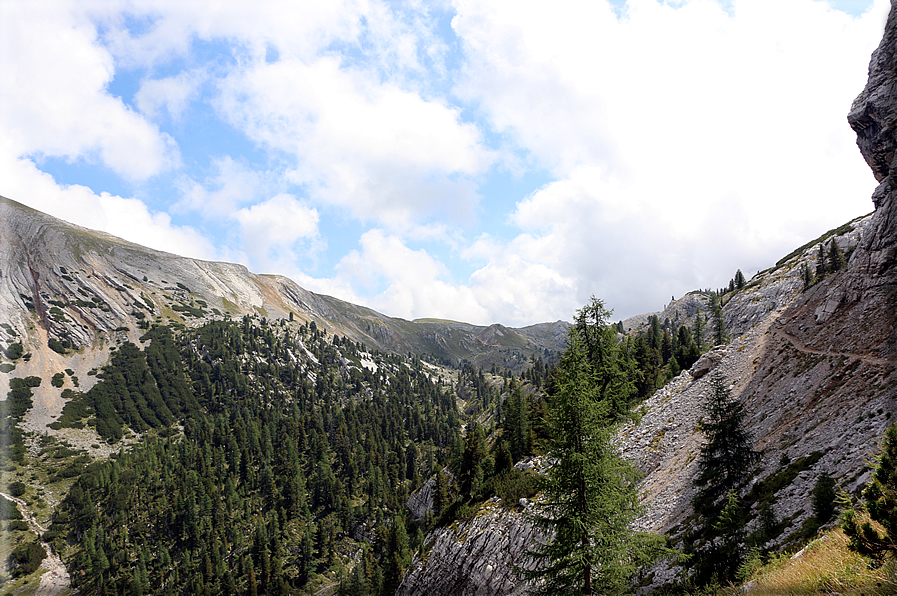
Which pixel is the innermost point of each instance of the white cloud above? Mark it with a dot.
(687, 141)
(233, 184)
(270, 230)
(415, 283)
(127, 218)
(171, 94)
(54, 100)
(383, 152)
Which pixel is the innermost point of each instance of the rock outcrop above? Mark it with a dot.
(475, 557)
(873, 116)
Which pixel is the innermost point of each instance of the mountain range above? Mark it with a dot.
(815, 365)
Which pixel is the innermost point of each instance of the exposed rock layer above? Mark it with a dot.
(476, 557)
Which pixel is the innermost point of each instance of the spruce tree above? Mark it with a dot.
(881, 502)
(821, 263)
(739, 279)
(727, 459)
(807, 275)
(836, 259)
(471, 473)
(698, 331)
(726, 463)
(720, 336)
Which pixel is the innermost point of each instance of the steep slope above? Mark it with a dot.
(665, 442)
(84, 291)
(46, 260)
(817, 373)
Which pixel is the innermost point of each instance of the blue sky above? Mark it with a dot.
(484, 161)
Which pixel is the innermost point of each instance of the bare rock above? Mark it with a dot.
(475, 557)
(873, 116)
(707, 362)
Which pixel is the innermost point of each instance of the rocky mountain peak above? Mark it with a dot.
(873, 116)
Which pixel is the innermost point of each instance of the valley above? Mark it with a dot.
(178, 426)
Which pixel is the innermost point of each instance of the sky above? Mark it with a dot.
(476, 160)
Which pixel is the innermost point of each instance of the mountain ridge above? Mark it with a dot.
(130, 273)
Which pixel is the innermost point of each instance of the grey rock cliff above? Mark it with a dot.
(475, 557)
(873, 116)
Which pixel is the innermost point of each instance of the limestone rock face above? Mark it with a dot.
(873, 116)
(476, 557)
(420, 503)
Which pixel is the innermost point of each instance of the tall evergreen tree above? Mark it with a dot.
(821, 263)
(836, 260)
(698, 331)
(591, 495)
(516, 422)
(807, 275)
(739, 279)
(880, 495)
(727, 457)
(720, 336)
(471, 473)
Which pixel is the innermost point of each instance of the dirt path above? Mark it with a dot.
(802, 347)
(55, 579)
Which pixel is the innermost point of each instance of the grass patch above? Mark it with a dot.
(826, 566)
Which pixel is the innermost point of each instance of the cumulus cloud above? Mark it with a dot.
(686, 140)
(271, 230)
(681, 139)
(416, 284)
(171, 94)
(233, 184)
(381, 151)
(127, 218)
(54, 100)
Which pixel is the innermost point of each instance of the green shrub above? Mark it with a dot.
(14, 351)
(18, 525)
(26, 558)
(60, 347)
(8, 509)
(17, 488)
(58, 380)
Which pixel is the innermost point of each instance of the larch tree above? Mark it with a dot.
(590, 492)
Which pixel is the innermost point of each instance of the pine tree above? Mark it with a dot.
(824, 496)
(470, 474)
(720, 336)
(880, 495)
(516, 422)
(727, 554)
(397, 557)
(739, 279)
(698, 331)
(591, 495)
(807, 275)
